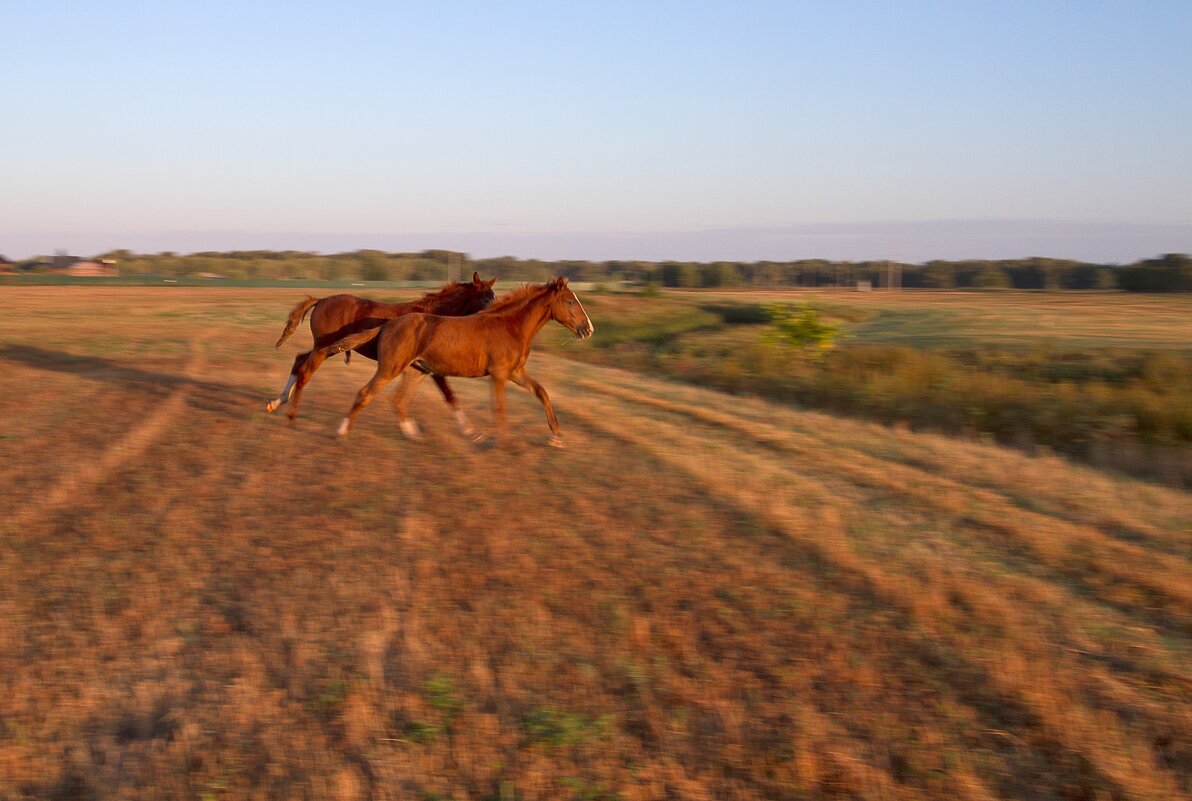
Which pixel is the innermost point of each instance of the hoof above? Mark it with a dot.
(409, 430)
(477, 438)
(271, 406)
(342, 431)
(556, 442)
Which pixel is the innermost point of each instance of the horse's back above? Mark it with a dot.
(448, 345)
(408, 328)
(344, 307)
(338, 316)
(332, 313)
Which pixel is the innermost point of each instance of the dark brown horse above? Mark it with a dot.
(338, 316)
(495, 342)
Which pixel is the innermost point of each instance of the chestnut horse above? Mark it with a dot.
(495, 342)
(337, 316)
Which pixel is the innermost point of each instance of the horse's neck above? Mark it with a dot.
(536, 314)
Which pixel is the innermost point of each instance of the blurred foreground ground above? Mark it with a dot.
(703, 596)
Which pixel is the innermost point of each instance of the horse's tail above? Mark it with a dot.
(297, 315)
(352, 341)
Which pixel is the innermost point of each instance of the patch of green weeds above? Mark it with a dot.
(330, 701)
(585, 791)
(558, 728)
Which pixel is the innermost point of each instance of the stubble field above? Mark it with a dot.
(703, 596)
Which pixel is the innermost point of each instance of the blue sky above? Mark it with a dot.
(599, 130)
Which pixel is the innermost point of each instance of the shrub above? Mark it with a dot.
(801, 327)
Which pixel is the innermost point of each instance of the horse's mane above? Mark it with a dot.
(452, 294)
(516, 296)
(449, 288)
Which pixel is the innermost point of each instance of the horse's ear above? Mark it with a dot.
(491, 281)
(560, 282)
(476, 279)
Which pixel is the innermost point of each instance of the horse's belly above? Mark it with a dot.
(445, 352)
(451, 367)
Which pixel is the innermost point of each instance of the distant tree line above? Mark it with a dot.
(1168, 273)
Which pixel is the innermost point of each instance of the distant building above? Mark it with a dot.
(82, 268)
(97, 268)
(62, 260)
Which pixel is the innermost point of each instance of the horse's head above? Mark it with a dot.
(566, 310)
(481, 292)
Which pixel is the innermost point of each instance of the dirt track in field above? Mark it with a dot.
(80, 483)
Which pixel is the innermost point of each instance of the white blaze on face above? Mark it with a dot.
(588, 320)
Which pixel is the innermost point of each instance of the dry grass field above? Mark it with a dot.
(934, 319)
(1105, 378)
(702, 597)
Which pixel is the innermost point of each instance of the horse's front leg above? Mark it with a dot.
(499, 405)
(410, 380)
(526, 381)
(461, 419)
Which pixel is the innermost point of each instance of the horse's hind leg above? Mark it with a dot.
(461, 419)
(363, 398)
(287, 391)
(304, 372)
(282, 398)
(526, 381)
(410, 380)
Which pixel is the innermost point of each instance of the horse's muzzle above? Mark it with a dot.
(585, 331)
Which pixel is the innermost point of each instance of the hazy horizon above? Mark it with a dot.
(909, 242)
(668, 130)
